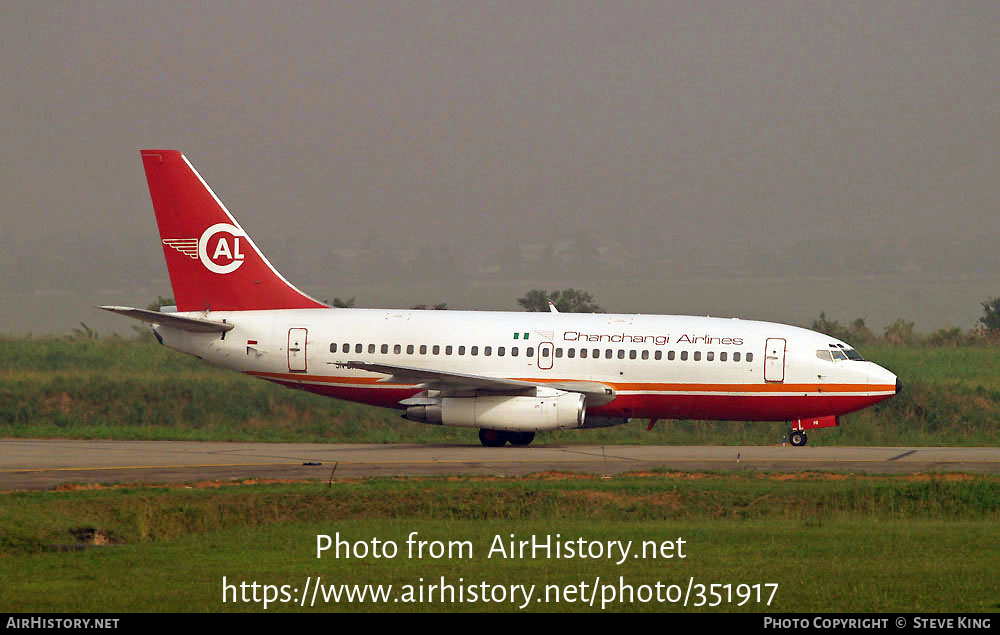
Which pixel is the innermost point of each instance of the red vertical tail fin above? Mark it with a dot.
(213, 264)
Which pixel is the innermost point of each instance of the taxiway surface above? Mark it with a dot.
(44, 464)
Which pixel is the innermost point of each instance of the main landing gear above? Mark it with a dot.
(797, 438)
(499, 438)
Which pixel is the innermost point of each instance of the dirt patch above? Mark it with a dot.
(94, 536)
(76, 487)
(466, 479)
(60, 402)
(952, 476)
(598, 497)
(592, 496)
(560, 476)
(677, 475)
(811, 476)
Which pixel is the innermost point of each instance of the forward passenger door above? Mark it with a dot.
(774, 359)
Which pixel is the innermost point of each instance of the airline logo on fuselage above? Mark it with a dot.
(220, 248)
(577, 336)
(659, 340)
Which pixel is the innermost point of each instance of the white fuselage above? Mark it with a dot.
(510, 372)
(658, 366)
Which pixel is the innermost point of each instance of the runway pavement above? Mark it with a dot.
(44, 464)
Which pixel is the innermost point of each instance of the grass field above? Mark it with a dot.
(830, 543)
(121, 388)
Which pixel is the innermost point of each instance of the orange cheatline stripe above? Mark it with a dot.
(762, 388)
(769, 387)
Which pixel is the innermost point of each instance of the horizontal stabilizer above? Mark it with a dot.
(195, 325)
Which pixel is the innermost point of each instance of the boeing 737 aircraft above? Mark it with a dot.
(507, 374)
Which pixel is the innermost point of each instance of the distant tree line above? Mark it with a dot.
(902, 333)
(349, 304)
(565, 301)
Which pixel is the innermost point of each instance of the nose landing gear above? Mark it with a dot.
(797, 438)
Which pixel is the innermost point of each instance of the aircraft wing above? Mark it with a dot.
(597, 393)
(196, 325)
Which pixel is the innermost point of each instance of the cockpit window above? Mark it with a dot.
(824, 355)
(840, 352)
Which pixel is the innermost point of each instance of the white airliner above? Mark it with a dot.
(509, 374)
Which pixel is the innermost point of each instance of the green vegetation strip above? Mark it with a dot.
(119, 388)
(915, 543)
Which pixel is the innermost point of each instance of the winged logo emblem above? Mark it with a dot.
(187, 246)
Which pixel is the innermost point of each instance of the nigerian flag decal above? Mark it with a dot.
(522, 336)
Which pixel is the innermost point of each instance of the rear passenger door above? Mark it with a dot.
(297, 339)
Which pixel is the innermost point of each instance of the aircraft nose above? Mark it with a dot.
(884, 378)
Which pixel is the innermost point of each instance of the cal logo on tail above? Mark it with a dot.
(213, 264)
(221, 240)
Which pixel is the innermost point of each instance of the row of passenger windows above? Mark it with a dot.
(582, 353)
(397, 349)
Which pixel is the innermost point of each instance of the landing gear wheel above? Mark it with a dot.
(797, 438)
(521, 438)
(492, 438)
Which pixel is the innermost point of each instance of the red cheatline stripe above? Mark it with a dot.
(760, 388)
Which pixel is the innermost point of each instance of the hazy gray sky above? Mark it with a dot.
(437, 122)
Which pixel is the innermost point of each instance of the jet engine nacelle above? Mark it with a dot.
(558, 412)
